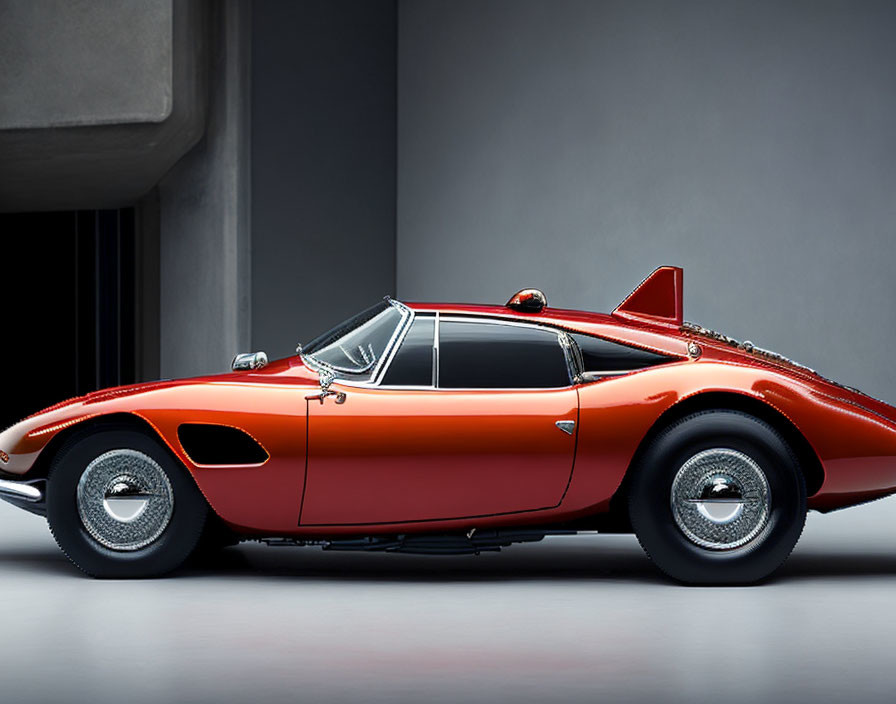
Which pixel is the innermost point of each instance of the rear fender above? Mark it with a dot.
(856, 447)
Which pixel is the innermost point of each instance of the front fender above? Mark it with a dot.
(263, 497)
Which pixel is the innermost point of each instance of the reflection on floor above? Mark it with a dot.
(571, 619)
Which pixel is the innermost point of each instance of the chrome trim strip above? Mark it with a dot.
(435, 352)
(566, 342)
(393, 387)
(597, 376)
(21, 491)
(471, 318)
(395, 341)
(577, 354)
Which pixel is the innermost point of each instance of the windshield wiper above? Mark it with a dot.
(359, 369)
(368, 359)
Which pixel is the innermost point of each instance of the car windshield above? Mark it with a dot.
(357, 345)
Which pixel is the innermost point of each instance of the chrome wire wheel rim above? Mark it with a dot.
(720, 499)
(125, 500)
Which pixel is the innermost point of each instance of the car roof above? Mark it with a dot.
(655, 338)
(505, 312)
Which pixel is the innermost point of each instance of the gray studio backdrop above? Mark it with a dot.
(574, 146)
(328, 152)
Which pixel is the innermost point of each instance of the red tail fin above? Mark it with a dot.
(657, 300)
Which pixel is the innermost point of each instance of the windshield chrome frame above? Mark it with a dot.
(343, 376)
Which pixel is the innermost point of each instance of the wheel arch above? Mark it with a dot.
(121, 420)
(809, 463)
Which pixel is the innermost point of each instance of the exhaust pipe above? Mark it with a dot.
(20, 491)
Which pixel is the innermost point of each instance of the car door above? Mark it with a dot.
(472, 417)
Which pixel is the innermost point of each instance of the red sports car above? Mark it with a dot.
(447, 429)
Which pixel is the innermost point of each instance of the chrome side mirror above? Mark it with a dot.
(249, 360)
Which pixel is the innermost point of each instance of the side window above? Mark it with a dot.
(599, 355)
(483, 355)
(412, 364)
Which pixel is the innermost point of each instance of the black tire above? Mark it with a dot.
(164, 553)
(662, 535)
(216, 536)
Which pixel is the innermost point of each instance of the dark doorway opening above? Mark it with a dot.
(70, 306)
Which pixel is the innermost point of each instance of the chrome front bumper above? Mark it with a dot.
(20, 491)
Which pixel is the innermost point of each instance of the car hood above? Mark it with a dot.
(289, 370)
(21, 442)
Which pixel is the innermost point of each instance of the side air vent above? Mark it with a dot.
(219, 444)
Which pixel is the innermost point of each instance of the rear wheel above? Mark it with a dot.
(718, 498)
(119, 505)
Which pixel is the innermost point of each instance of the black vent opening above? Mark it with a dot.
(219, 444)
(599, 355)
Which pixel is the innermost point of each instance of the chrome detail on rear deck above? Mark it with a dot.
(125, 500)
(746, 346)
(720, 499)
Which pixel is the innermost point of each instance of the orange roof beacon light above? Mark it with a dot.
(528, 300)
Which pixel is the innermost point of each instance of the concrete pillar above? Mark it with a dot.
(204, 217)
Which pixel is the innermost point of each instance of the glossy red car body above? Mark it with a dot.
(437, 460)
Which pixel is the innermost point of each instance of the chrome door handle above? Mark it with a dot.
(340, 396)
(567, 426)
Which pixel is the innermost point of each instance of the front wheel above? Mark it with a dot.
(718, 498)
(119, 505)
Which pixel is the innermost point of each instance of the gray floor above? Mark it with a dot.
(569, 619)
